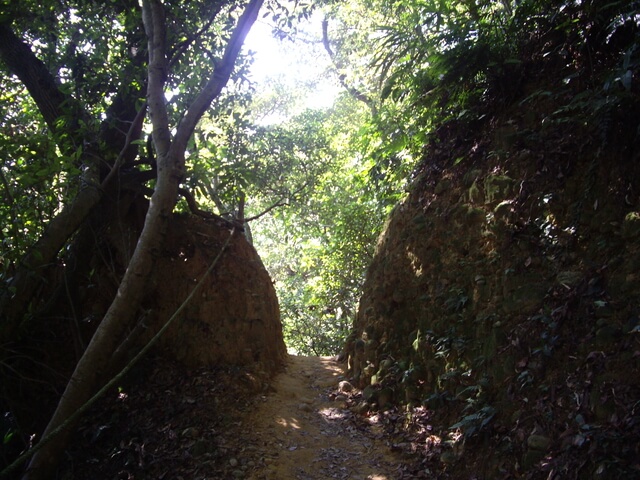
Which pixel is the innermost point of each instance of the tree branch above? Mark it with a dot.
(135, 127)
(193, 207)
(183, 46)
(342, 77)
(41, 85)
(220, 76)
(154, 24)
(279, 203)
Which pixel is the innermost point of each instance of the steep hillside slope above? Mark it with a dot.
(504, 299)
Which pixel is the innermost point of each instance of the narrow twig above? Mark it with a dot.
(219, 77)
(137, 121)
(190, 40)
(342, 77)
(193, 207)
(280, 203)
(7, 189)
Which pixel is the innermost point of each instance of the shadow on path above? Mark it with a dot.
(300, 433)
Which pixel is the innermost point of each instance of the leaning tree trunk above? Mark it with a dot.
(93, 364)
(53, 104)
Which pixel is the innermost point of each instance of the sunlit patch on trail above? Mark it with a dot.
(289, 423)
(334, 414)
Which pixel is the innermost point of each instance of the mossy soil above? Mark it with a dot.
(504, 296)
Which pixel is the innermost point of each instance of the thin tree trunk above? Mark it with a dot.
(94, 362)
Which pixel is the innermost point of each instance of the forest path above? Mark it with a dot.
(302, 432)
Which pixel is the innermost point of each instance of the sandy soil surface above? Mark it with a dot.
(226, 424)
(302, 430)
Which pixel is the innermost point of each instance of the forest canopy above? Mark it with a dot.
(106, 103)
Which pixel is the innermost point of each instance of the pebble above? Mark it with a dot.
(345, 386)
(233, 462)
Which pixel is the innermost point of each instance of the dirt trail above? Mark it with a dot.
(300, 432)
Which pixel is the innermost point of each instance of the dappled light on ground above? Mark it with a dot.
(288, 423)
(333, 414)
(229, 423)
(301, 431)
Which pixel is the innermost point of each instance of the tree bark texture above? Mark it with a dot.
(89, 371)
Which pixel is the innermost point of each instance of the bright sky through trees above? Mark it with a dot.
(293, 63)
